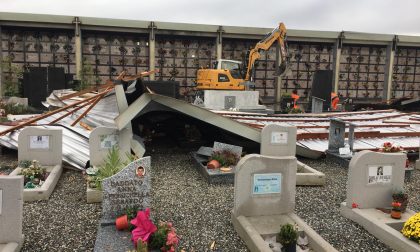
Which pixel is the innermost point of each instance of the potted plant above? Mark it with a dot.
(411, 228)
(34, 175)
(396, 210)
(399, 195)
(123, 222)
(224, 159)
(287, 237)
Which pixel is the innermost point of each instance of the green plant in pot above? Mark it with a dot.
(287, 237)
(400, 196)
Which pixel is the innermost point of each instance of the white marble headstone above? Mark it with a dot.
(278, 140)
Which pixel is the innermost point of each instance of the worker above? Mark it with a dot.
(295, 98)
(334, 101)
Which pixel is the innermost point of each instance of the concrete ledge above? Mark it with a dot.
(382, 226)
(251, 229)
(213, 176)
(418, 164)
(93, 195)
(44, 192)
(309, 176)
(12, 246)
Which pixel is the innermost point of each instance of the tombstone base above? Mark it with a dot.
(12, 246)
(108, 238)
(418, 164)
(308, 176)
(44, 192)
(93, 195)
(382, 226)
(212, 176)
(251, 230)
(343, 160)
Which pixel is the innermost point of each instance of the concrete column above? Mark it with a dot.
(152, 30)
(278, 82)
(219, 43)
(1, 64)
(336, 61)
(78, 46)
(389, 68)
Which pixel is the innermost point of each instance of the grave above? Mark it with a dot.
(278, 141)
(338, 151)
(127, 189)
(101, 140)
(371, 180)
(264, 199)
(43, 144)
(11, 213)
(317, 105)
(215, 176)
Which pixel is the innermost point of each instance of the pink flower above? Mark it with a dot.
(144, 226)
(172, 239)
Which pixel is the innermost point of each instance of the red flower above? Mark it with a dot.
(387, 144)
(354, 205)
(396, 204)
(144, 226)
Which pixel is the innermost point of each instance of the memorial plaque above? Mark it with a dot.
(379, 174)
(266, 183)
(39, 142)
(108, 141)
(130, 188)
(279, 137)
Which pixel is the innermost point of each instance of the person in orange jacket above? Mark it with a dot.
(295, 98)
(334, 101)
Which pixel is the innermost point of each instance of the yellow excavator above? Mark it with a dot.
(235, 75)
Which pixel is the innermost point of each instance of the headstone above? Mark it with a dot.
(278, 141)
(11, 209)
(127, 189)
(317, 105)
(372, 178)
(336, 135)
(102, 139)
(42, 144)
(265, 185)
(237, 150)
(352, 127)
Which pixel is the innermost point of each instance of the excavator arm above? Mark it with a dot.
(278, 34)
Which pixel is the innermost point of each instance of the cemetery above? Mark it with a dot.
(110, 148)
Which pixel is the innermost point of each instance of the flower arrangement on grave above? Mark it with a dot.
(224, 159)
(390, 148)
(34, 175)
(400, 196)
(411, 228)
(287, 237)
(147, 235)
(124, 222)
(396, 210)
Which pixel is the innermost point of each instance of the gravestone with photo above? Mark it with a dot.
(45, 145)
(338, 150)
(101, 141)
(11, 213)
(128, 189)
(372, 179)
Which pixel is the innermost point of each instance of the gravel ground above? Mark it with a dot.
(199, 211)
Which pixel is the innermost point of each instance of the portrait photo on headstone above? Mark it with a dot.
(379, 174)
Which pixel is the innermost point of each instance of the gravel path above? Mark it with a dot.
(199, 211)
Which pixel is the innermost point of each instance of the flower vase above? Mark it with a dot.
(213, 164)
(289, 247)
(395, 214)
(403, 201)
(121, 223)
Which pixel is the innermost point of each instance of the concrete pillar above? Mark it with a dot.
(389, 68)
(1, 64)
(219, 43)
(78, 46)
(278, 82)
(336, 61)
(152, 41)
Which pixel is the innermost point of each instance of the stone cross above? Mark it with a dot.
(44, 144)
(278, 140)
(11, 209)
(127, 189)
(372, 178)
(265, 185)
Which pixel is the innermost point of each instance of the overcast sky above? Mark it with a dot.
(375, 16)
